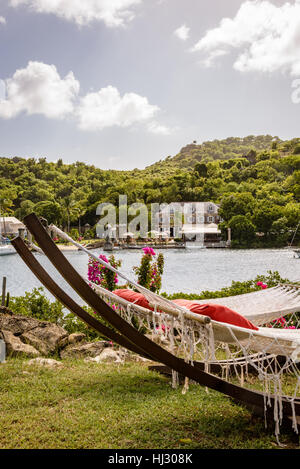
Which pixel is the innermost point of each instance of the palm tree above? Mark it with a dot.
(6, 202)
(80, 212)
(70, 207)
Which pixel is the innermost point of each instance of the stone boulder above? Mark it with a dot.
(47, 362)
(76, 338)
(108, 355)
(90, 349)
(15, 347)
(159, 339)
(24, 334)
(52, 337)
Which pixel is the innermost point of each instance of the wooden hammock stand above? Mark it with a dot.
(126, 335)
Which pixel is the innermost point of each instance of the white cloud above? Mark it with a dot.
(182, 33)
(267, 38)
(82, 12)
(38, 89)
(2, 20)
(107, 108)
(2, 90)
(158, 129)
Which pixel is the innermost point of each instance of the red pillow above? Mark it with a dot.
(217, 313)
(133, 297)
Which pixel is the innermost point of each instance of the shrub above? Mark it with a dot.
(149, 273)
(101, 275)
(38, 306)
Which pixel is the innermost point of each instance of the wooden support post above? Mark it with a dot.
(29, 237)
(7, 300)
(22, 233)
(3, 291)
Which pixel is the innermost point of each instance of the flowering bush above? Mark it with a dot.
(284, 323)
(262, 285)
(101, 275)
(150, 271)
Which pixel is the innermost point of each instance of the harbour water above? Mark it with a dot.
(189, 271)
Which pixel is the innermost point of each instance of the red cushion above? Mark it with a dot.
(217, 313)
(133, 297)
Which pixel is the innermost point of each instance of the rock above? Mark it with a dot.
(76, 338)
(158, 339)
(91, 349)
(48, 362)
(15, 347)
(44, 337)
(108, 355)
(138, 358)
(52, 336)
(38, 344)
(17, 324)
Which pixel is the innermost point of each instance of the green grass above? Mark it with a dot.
(87, 405)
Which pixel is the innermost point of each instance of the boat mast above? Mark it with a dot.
(291, 245)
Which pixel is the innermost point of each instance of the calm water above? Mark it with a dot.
(190, 271)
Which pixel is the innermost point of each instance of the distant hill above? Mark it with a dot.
(229, 148)
(256, 178)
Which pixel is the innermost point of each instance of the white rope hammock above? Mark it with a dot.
(259, 307)
(193, 337)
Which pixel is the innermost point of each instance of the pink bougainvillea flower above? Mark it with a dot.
(149, 251)
(264, 286)
(280, 320)
(103, 258)
(259, 284)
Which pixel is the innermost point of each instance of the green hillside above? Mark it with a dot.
(229, 148)
(256, 179)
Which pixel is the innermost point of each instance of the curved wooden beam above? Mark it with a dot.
(36, 268)
(66, 300)
(254, 399)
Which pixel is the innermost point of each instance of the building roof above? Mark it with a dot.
(10, 220)
(212, 228)
(10, 224)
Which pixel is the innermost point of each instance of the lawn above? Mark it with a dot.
(87, 405)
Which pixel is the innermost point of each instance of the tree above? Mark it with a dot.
(236, 204)
(6, 202)
(242, 230)
(26, 207)
(264, 216)
(49, 210)
(280, 230)
(70, 209)
(201, 170)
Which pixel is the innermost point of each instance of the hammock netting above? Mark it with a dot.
(266, 359)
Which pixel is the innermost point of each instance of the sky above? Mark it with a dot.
(122, 84)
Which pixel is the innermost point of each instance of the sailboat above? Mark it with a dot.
(5, 247)
(296, 251)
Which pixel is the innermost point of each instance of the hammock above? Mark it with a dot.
(180, 339)
(259, 307)
(263, 306)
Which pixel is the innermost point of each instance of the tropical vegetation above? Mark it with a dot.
(256, 181)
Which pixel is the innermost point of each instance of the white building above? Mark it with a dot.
(10, 226)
